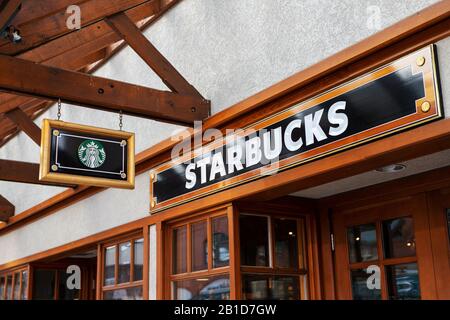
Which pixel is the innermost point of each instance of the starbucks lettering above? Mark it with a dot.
(266, 146)
(394, 97)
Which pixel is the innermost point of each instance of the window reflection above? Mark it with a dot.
(263, 287)
(205, 288)
(16, 295)
(360, 288)
(138, 259)
(2, 288)
(23, 294)
(179, 250)
(398, 238)
(362, 243)
(199, 239)
(286, 243)
(110, 263)
(124, 262)
(123, 294)
(254, 240)
(403, 281)
(221, 255)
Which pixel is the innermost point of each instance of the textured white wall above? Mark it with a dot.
(228, 50)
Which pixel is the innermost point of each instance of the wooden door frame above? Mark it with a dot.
(440, 240)
(415, 206)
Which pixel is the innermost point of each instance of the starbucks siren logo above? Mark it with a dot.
(91, 153)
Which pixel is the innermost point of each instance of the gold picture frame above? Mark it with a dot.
(46, 174)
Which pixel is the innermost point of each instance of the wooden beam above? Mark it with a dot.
(25, 77)
(7, 209)
(24, 122)
(42, 30)
(8, 12)
(24, 172)
(162, 67)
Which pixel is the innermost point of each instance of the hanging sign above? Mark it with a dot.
(85, 155)
(394, 97)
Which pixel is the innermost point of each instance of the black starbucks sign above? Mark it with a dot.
(394, 97)
(87, 155)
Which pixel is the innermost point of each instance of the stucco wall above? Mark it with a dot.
(228, 50)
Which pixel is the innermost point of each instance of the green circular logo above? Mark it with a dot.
(91, 153)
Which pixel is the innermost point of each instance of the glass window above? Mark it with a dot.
(138, 265)
(2, 288)
(110, 265)
(221, 254)
(264, 287)
(398, 238)
(286, 243)
(24, 293)
(254, 239)
(64, 293)
(205, 288)
(44, 284)
(134, 293)
(361, 290)
(124, 262)
(199, 240)
(362, 243)
(16, 295)
(403, 281)
(9, 287)
(179, 253)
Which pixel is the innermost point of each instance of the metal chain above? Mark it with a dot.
(120, 120)
(59, 109)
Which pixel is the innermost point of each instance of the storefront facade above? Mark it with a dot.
(312, 224)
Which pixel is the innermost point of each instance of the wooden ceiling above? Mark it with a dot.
(46, 40)
(53, 61)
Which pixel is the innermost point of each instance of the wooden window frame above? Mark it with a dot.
(210, 271)
(12, 273)
(272, 270)
(116, 242)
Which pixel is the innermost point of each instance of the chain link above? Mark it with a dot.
(59, 109)
(120, 120)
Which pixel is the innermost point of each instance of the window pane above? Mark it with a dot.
(199, 240)
(44, 284)
(9, 287)
(207, 288)
(398, 238)
(285, 288)
(64, 293)
(286, 243)
(403, 281)
(124, 262)
(123, 294)
(179, 250)
(138, 259)
(254, 239)
(2, 288)
(24, 293)
(262, 287)
(360, 288)
(16, 295)
(221, 254)
(110, 263)
(255, 287)
(362, 243)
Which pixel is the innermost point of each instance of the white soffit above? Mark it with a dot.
(414, 166)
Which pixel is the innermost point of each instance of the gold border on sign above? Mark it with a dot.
(45, 174)
(431, 90)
